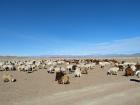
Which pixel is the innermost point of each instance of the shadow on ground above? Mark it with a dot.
(135, 80)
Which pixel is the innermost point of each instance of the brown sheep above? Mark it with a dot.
(129, 72)
(65, 79)
(59, 75)
(121, 68)
(84, 71)
(62, 78)
(137, 66)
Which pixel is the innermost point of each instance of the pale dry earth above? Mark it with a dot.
(96, 88)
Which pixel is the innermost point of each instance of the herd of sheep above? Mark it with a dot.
(63, 67)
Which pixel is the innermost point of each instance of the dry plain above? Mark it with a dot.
(95, 88)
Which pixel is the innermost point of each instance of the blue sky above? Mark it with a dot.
(69, 27)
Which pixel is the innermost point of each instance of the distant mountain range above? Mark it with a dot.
(79, 56)
(94, 55)
(119, 55)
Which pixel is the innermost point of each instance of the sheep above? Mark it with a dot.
(33, 67)
(62, 78)
(77, 72)
(113, 71)
(58, 75)
(21, 67)
(57, 69)
(1, 66)
(137, 73)
(88, 66)
(129, 71)
(128, 63)
(60, 62)
(63, 69)
(65, 79)
(51, 69)
(121, 67)
(44, 66)
(84, 71)
(49, 63)
(27, 68)
(71, 68)
(102, 64)
(137, 66)
(114, 62)
(93, 65)
(8, 78)
(8, 67)
(40, 66)
(133, 67)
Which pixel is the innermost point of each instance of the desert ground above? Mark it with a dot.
(95, 88)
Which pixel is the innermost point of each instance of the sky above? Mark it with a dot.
(69, 27)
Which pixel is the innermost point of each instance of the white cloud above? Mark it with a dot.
(130, 45)
(123, 46)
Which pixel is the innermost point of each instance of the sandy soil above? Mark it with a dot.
(96, 88)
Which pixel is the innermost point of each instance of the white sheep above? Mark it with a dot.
(57, 69)
(113, 71)
(137, 73)
(51, 69)
(102, 64)
(63, 69)
(8, 78)
(129, 63)
(69, 67)
(133, 67)
(77, 72)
